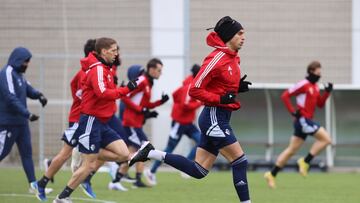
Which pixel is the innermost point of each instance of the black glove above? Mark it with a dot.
(33, 117)
(116, 80)
(244, 85)
(164, 98)
(228, 98)
(42, 100)
(132, 85)
(151, 114)
(296, 114)
(122, 84)
(329, 87)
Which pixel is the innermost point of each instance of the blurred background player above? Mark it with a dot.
(138, 107)
(183, 115)
(216, 85)
(14, 115)
(308, 97)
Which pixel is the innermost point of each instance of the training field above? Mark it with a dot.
(216, 188)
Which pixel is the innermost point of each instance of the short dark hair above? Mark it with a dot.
(89, 46)
(103, 43)
(313, 66)
(152, 63)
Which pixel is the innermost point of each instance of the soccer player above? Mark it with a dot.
(14, 114)
(53, 166)
(216, 86)
(308, 97)
(137, 108)
(183, 115)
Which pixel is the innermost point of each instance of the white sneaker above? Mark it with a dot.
(75, 159)
(184, 175)
(65, 200)
(150, 177)
(117, 186)
(47, 190)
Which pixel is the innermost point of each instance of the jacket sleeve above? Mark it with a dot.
(75, 85)
(131, 105)
(8, 92)
(287, 94)
(187, 102)
(198, 86)
(151, 105)
(99, 85)
(31, 92)
(321, 100)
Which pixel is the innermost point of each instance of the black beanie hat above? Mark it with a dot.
(226, 28)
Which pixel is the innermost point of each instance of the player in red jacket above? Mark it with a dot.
(308, 97)
(183, 115)
(216, 85)
(97, 109)
(138, 107)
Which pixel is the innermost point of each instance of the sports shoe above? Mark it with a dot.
(117, 186)
(184, 175)
(139, 184)
(141, 154)
(270, 180)
(150, 177)
(87, 189)
(75, 160)
(38, 191)
(65, 200)
(47, 163)
(127, 179)
(303, 167)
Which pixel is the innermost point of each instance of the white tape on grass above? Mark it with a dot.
(53, 197)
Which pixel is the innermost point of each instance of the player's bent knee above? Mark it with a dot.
(200, 172)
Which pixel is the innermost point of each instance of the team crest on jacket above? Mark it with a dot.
(311, 90)
(109, 78)
(230, 70)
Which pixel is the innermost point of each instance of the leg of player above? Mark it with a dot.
(86, 184)
(150, 174)
(139, 168)
(197, 169)
(294, 146)
(88, 165)
(56, 163)
(322, 140)
(235, 155)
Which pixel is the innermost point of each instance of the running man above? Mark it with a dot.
(183, 115)
(137, 108)
(216, 85)
(308, 97)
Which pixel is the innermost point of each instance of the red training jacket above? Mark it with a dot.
(99, 91)
(307, 98)
(184, 108)
(136, 101)
(220, 73)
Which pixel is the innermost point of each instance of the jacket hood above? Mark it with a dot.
(215, 41)
(89, 62)
(18, 56)
(134, 72)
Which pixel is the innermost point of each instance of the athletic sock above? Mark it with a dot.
(88, 178)
(118, 177)
(275, 170)
(157, 155)
(239, 167)
(138, 177)
(43, 181)
(66, 192)
(185, 165)
(308, 158)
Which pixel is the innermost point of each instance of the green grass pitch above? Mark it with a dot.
(215, 188)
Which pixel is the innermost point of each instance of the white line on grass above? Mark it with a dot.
(74, 198)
